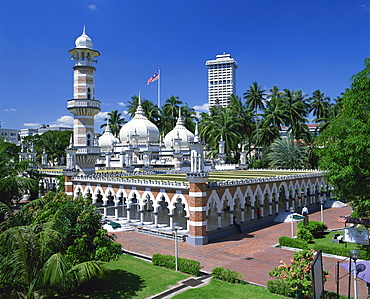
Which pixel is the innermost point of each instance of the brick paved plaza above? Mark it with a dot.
(250, 253)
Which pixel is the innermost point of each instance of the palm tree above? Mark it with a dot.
(286, 153)
(115, 122)
(14, 177)
(223, 125)
(320, 105)
(151, 111)
(171, 109)
(255, 97)
(31, 266)
(296, 109)
(189, 116)
(132, 106)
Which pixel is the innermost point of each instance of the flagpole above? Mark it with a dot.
(159, 87)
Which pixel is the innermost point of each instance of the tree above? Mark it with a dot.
(151, 111)
(287, 154)
(132, 106)
(255, 97)
(32, 267)
(53, 143)
(345, 154)
(115, 122)
(320, 105)
(15, 178)
(189, 116)
(170, 112)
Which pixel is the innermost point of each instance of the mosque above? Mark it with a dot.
(201, 197)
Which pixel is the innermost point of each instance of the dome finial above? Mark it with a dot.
(84, 30)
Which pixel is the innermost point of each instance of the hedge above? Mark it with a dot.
(227, 275)
(290, 242)
(169, 261)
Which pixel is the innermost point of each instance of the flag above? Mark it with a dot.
(153, 78)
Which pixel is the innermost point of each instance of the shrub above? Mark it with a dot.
(294, 277)
(315, 227)
(290, 242)
(227, 275)
(169, 261)
(304, 235)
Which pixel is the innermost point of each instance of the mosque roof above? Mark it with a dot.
(179, 132)
(84, 41)
(141, 127)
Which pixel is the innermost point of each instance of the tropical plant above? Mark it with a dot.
(170, 112)
(115, 121)
(15, 175)
(255, 97)
(32, 267)
(320, 105)
(287, 153)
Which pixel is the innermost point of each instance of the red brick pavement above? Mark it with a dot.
(251, 254)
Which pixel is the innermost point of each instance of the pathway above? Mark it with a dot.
(251, 253)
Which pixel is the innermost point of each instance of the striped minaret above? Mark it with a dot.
(83, 106)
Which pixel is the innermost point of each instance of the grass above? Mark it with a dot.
(217, 176)
(221, 289)
(130, 278)
(326, 240)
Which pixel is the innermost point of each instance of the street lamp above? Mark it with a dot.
(355, 255)
(322, 209)
(176, 226)
(291, 216)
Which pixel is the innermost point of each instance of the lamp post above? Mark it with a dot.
(176, 226)
(322, 209)
(291, 216)
(355, 255)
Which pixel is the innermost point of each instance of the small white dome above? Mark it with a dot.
(140, 126)
(107, 140)
(84, 41)
(179, 132)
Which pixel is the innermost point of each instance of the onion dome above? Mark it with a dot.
(179, 132)
(141, 127)
(107, 140)
(84, 41)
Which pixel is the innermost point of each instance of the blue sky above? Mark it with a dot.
(307, 45)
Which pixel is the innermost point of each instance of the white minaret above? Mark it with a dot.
(83, 106)
(221, 79)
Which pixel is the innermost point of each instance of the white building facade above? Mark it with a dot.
(221, 79)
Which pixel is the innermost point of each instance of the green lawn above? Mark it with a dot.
(134, 278)
(326, 240)
(131, 278)
(221, 289)
(217, 176)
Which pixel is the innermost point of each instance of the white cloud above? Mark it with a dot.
(101, 116)
(364, 7)
(202, 108)
(32, 125)
(10, 110)
(65, 120)
(122, 104)
(92, 7)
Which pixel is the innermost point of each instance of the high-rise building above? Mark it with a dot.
(221, 79)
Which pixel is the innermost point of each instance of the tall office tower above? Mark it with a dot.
(221, 79)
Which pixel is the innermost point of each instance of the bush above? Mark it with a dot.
(291, 279)
(227, 275)
(169, 261)
(304, 235)
(290, 242)
(315, 227)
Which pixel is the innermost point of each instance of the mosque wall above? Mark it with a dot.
(202, 202)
